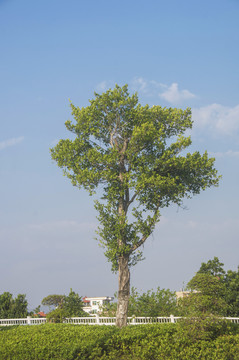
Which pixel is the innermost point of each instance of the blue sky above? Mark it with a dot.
(173, 53)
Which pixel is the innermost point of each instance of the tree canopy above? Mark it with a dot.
(213, 267)
(13, 308)
(134, 153)
(161, 302)
(65, 306)
(213, 291)
(230, 281)
(53, 300)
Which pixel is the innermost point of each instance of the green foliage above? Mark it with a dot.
(67, 306)
(232, 294)
(133, 153)
(204, 327)
(213, 267)
(73, 305)
(161, 302)
(157, 342)
(205, 303)
(208, 296)
(13, 308)
(53, 300)
(36, 310)
(56, 316)
(230, 279)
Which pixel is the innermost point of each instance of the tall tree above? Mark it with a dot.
(133, 153)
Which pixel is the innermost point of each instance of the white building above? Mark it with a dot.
(93, 305)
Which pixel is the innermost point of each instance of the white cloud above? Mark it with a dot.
(173, 95)
(217, 117)
(140, 84)
(104, 85)
(11, 142)
(229, 153)
(170, 93)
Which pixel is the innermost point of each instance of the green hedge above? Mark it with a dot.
(69, 342)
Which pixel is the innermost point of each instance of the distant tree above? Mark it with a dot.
(20, 306)
(73, 305)
(6, 305)
(230, 279)
(207, 296)
(56, 316)
(53, 300)
(213, 267)
(202, 309)
(13, 308)
(133, 153)
(65, 306)
(36, 310)
(161, 302)
(232, 293)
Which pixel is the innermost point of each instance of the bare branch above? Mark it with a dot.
(136, 246)
(132, 199)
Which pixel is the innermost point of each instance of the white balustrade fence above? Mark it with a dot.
(97, 320)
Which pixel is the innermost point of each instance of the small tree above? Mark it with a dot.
(13, 308)
(203, 307)
(73, 305)
(207, 296)
(65, 306)
(53, 300)
(161, 302)
(133, 153)
(229, 278)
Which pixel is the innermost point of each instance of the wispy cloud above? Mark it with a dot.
(102, 86)
(170, 93)
(229, 153)
(10, 142)
(173, 95)
(147, 87)
(213, 118)
(217, 117)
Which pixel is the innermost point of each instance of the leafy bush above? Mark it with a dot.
(204, 327)
(74, 342)
(56, 316)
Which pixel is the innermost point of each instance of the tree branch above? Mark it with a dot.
(112, 140)
(136, 246)
(145, 237)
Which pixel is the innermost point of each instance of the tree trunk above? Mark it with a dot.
(123, 292)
